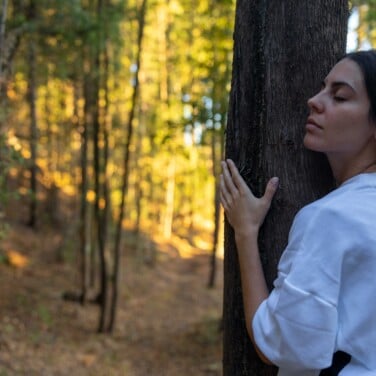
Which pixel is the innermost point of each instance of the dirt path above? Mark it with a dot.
(167, 321)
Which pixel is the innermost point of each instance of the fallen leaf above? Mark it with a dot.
(16, 259)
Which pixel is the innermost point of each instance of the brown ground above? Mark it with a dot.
(167, 322)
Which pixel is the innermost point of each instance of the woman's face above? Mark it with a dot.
(339, 121)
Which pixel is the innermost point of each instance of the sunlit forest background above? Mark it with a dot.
(107, 94)
(112, 128)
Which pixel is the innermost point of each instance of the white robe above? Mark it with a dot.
(324, 298)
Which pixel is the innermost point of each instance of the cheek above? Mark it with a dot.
(352, 114)
(345, 123)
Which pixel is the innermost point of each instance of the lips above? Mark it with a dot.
(312, 123)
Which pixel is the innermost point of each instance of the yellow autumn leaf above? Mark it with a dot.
(16, 259)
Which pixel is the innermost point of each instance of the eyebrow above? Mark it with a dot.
(337, 84)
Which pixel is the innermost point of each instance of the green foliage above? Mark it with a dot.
(3, 258)
(371, 12)
(366, 12)
(9, 157)
(184, 82)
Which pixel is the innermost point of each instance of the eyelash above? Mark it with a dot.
(335, 97)
(339, 99)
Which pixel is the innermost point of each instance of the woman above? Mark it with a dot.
(320, 318)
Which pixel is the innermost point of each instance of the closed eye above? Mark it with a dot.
(339, 99)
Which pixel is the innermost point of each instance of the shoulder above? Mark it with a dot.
(352, 204)
(329, 229)
(333, 227)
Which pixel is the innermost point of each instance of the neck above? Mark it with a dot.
(343, 171)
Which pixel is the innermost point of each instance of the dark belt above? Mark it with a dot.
(339, 362)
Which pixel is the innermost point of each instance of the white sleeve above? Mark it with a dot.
(296, 326)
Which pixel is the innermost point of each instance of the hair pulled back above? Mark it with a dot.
(366, 60)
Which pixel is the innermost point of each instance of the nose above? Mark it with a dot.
(315, 103)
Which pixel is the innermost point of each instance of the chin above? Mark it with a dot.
(310, 144)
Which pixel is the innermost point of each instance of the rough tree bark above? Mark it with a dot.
(217, 213)
(282, 52)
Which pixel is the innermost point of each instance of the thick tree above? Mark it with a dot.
(282, 52)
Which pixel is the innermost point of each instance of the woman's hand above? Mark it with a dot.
(244, 211)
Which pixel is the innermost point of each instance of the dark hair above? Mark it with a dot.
(366, 60)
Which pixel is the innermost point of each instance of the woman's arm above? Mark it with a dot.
(254, 287)
(246, 214)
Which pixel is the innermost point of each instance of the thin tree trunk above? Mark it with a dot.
(124, 188)
(88, 240)
(101, 181)
(106, 210)
(84, 246)
(139, 179)
(3, 17)
(169, 199)
(4, 8)
(274, 72)
(100, 203)
(9, 42)
(32, 97)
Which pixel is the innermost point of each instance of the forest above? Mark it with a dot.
(113, 122)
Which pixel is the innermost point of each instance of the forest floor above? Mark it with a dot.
(167, 320)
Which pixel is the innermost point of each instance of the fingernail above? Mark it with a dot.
(275, 181)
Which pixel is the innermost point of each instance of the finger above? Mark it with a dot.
(225, 195)
(228, 180)
(271, 189)
(223, 201)
(236, 177)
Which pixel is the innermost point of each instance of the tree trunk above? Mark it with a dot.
(168, 215)
(124, 188)
(99, 173)
(216, 157)
(217, 152)
(283, 50)
(83, 233)
(3, 17)
(9, 43)
(32, 97)
(138, 186)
